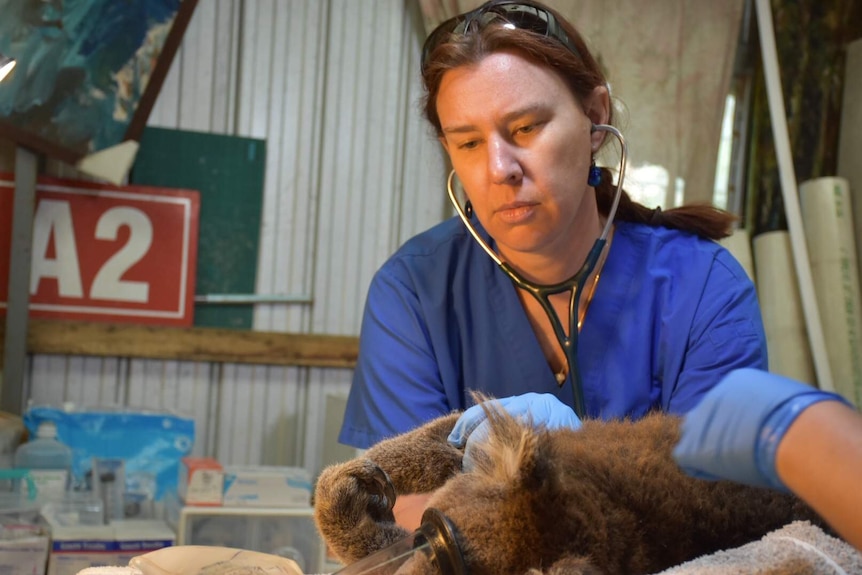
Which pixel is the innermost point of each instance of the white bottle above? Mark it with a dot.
(48, 460)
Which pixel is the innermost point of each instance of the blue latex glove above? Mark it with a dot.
(539, 409)
(734, 432)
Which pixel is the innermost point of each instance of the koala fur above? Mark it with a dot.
(607, 498)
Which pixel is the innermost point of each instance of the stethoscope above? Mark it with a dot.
(575, 284)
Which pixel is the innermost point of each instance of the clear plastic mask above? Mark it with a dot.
(430, 550)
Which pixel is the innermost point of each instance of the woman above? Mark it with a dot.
(516, 98)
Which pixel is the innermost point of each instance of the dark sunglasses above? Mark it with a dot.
(519, 15)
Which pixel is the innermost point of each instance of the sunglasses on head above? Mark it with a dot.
(515, 15)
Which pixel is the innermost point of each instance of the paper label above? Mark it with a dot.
(50, 482)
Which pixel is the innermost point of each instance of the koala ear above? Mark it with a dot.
(512, 452)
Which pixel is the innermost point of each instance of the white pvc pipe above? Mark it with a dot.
(790, 194)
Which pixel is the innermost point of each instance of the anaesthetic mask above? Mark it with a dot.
(430, 550)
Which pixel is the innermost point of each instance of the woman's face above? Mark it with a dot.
(521, 145)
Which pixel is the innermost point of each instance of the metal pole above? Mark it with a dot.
(237, 298)
(15, 349)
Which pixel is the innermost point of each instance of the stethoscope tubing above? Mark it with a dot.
(574, 284)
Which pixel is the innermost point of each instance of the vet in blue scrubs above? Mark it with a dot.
(672, 314)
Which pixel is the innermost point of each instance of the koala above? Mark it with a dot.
(607, 498)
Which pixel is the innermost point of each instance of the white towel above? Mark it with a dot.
(798, 548)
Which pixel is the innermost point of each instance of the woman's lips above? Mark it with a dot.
(516, 213)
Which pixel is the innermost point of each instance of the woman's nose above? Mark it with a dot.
(503, 163)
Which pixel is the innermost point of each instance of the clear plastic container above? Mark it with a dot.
(48, 460)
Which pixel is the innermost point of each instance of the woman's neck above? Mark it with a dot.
(564, 258)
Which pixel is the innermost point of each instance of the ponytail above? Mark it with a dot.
(702, 219)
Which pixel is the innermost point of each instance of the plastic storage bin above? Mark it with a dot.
(289, 532)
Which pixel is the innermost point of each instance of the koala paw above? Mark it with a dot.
(356, 489)
(353, 508)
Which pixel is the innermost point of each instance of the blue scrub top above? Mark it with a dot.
(671, 314)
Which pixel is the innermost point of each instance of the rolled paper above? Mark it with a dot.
(827, 217)
(781, 307)
(739, 244)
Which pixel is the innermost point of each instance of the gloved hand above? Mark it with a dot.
(539, 409)
(734, 432)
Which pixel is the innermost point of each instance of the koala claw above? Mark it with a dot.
(377, 484)
(384, 484)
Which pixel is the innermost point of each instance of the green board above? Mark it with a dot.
(228, 172)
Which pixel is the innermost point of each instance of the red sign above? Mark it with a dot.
(107, 253)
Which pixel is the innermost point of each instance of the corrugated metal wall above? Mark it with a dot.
(352, 171)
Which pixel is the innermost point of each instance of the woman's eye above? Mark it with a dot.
(525, 129)
(468, 145)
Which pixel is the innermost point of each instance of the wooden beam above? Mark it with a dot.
(189, 344)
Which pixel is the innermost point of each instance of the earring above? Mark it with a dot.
(595, 176)
(468, 210)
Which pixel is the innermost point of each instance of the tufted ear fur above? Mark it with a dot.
(512, 453)
(505, 508)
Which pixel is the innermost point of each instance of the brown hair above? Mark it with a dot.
(582, 74)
